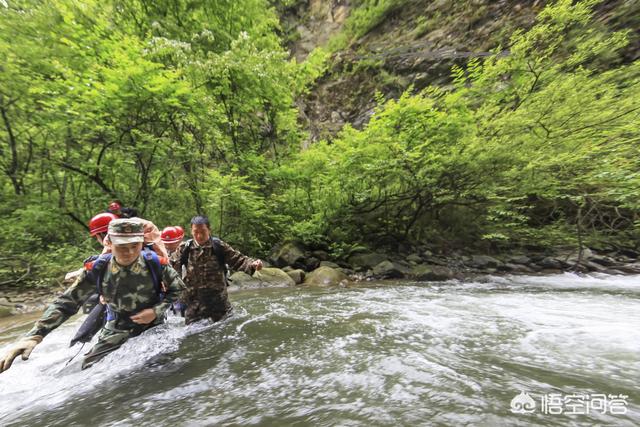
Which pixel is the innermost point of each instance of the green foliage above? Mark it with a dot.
(184, 107)
(138, 101)
(534, 148)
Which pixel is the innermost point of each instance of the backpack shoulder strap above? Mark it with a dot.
(97, 268)
(184, 257)
(155, 263)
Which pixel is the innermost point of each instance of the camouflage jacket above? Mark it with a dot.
(203, 270)
(127, 290)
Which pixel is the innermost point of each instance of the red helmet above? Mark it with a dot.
(114, 207)
(172, 234)
(100, 223)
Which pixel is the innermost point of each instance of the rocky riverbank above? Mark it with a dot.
(422, 263)
(292, 264)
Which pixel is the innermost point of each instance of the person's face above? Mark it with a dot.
(127, 253)
(201, 233)
(172, 246)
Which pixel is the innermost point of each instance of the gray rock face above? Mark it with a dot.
(326, 276)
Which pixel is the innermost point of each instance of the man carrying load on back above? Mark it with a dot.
(129, 282)
(205, 259)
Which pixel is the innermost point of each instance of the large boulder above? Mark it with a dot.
(389, 270)
(297, 275)
(289, 253)
(242, 280)
(363, 261)
(273, 277)
(326, 276)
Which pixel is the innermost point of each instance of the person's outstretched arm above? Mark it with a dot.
(65, 306)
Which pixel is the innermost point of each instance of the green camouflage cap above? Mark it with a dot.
(126, 230)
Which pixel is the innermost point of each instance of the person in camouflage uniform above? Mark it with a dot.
(127, 288)
(206, 294)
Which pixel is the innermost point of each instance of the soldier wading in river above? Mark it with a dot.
(205, 259)
(127, 285)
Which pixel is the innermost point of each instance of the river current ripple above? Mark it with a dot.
(375, 354)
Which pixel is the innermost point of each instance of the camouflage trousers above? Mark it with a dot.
(206, 303)
(110, 339)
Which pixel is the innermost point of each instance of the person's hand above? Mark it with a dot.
(144, 317)
(23, 347)
(257, 265)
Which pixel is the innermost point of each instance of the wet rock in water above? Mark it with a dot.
(432, 272)
(264, 278)
(551, 263)
(326, 276)
(389, 270)
(5, 311)
(297, 275)
(517, 268)
(366, 260)
(289, 253)
(273, 277)
(484, 261)
(243, 280)
(521, 259)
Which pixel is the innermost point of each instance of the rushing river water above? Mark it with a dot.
(378, 354)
